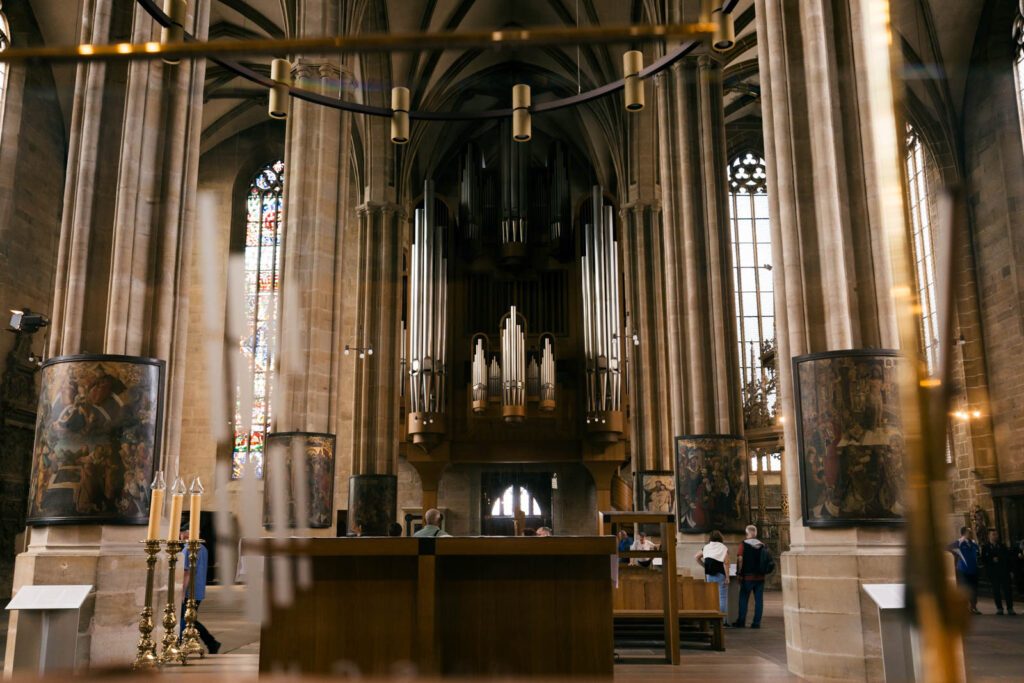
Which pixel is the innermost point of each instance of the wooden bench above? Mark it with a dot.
(694, 626)
(638, 604)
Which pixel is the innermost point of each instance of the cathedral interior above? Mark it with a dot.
(467, 337)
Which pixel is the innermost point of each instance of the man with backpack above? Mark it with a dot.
(753, 564)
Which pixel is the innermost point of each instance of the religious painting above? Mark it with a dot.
(656, 491)
(850, 437)
(711, 483)
(97, 441)
(317, 483)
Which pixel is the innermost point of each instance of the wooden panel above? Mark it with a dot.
(525, 615)
(603, 546)
(360, 611)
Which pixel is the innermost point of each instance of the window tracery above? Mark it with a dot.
(264, 221)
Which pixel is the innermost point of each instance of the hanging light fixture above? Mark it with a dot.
(281, 74)
(632, 65)
(724, 37)
(521, 129)
(400, 115)
(601, 337)
(513, 374)
(428, 330)
(479, 387)
(177, 10)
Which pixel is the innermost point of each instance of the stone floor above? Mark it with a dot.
(995, 647)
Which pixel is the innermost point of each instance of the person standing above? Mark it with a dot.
(643, 543)
(197, 574)
(625, 543)
(751, 563)
(965, 550)
(997, 558)
(714, 557)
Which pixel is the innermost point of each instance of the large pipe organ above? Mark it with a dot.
(526, 288)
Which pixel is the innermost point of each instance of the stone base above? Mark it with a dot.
(832, 630)
(111, 559)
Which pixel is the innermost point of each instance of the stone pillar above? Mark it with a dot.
(317, 247)
(832, 291)
(699, 291)
(121, 283)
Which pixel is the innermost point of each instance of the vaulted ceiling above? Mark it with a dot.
(940, 34)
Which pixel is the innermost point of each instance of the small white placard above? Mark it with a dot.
(886, 595)
(50, 597)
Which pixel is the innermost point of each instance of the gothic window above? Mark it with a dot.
(924, 246)
(752, 261)
(505, 506)
(263, 221)
(5, 69)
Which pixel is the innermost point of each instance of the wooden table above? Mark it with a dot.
(451, 606)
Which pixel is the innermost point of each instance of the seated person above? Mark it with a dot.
(625, 544)
(643, 543)
(544, 531)
(432, 524)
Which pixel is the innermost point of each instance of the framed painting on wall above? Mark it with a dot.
(850, 438)
(97, 442)
(317, 450)
(656, 491)
(712, 483)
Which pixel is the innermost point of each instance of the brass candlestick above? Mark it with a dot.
(190, 643)
(146, 657)
(171, 652)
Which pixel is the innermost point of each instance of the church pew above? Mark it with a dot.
(637, 603)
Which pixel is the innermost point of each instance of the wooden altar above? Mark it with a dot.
(451, 606)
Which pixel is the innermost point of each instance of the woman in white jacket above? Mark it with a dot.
(715, 559)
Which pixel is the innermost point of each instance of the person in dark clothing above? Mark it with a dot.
(196, 571)
(748, 561)
(997, 558)
(625, 543)
(965, 550)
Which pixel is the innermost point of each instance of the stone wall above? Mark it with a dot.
(994, 161)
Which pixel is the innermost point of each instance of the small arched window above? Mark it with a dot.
(263, 222)
(752, 265)
(511, 499)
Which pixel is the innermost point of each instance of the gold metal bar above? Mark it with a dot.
(371, 42)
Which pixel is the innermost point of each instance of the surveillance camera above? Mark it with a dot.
(28, 322)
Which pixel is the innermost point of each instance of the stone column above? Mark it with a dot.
(121, 283)
(699, 311)
(832, 291)
(318, 215)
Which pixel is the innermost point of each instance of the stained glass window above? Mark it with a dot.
(924, 244)
(5, 42)
(263, 220)
(752, 265)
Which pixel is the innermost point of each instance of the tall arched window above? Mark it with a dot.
(5, 69)
(920, 206)
(752, 264)
(263, 221)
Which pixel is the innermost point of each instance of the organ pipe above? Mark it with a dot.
(513, 375)
(494, 380)
(470, 194)
(559, 218)
(547, 373)
(428, 314)
(532, 380)
(480, 375)
(515, 160)
(601, 323)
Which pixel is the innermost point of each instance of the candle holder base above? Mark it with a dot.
(170, 652)
(146, 657)
(191, 645)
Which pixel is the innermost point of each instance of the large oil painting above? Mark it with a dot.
(318, 451)
(850, 438)
(712, 483)
(97, 441)
(656, 491)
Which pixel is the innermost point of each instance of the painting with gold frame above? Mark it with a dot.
(318, 450)
(850, 437)
(97, 443)
(712, 487)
